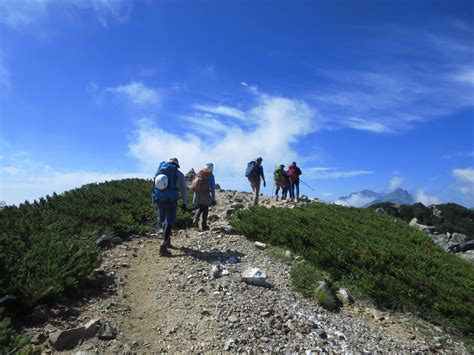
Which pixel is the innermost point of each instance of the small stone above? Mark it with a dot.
(233, 318)
(106, 332)
(260, 245)
(254, 276)
(288, 254)
(228, 344)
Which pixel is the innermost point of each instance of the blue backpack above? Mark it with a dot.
(252, 172)
(170, 193)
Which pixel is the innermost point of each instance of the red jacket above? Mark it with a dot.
(293, 169)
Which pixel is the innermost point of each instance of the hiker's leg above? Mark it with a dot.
(170, 220)
(205, 212)
(297, 185)
(256, 191)
(277, 191)
(197, 214)
(292, 191)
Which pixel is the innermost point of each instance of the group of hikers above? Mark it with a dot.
(170, 185)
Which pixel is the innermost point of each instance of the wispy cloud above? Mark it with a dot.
(137, 92)
(395, 183)
(392, 96)
(354, 200)
(27, 179)
(424, 198)
(321, 172)
(364, 125)
(223, 110)
(465, 178)
(21, 13)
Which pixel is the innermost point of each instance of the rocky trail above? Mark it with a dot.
(150, 303)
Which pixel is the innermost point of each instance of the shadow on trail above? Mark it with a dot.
(214, 257)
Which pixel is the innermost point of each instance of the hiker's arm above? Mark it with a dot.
(212, 184)
(262, 175)
(182, 186)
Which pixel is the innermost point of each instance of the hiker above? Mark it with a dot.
(293, 174)
(168, 180)
(254, 172)
(279, 176)
(204, 187)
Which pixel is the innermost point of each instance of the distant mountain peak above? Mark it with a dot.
(366, 198)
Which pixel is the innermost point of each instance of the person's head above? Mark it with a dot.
(210, 166)
(281, 166)
(174, 161)
(294, 163)
(259, 160)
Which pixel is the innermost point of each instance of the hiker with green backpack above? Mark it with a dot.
(254, 173)
(279, 177)
(204, 188)
(168, 182)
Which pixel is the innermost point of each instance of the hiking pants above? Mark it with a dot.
(204, 211)
(256, 190)
(292, 191)
(167, 213)
(297, 187)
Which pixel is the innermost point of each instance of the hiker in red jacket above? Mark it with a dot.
(293, 174)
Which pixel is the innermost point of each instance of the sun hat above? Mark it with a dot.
(175, 161)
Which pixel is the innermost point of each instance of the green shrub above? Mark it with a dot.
(373, 254)
(10, 341)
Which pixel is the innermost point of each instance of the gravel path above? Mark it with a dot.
(171, 304)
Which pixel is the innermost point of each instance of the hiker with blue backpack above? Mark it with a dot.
(204, 188)
(169, 181)
(254, 173)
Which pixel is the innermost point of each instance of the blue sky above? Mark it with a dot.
(362, 94)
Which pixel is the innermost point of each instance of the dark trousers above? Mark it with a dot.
(204, 211)
(296, 185)
(167, 215)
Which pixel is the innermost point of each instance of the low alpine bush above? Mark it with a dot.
(372, 254)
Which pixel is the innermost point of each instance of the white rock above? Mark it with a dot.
(288, 254)
(254, 276)
(260, 245)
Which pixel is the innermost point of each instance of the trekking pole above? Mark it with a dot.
(307, 185)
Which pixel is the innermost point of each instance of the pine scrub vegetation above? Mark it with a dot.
(50, 245)
(374, 255)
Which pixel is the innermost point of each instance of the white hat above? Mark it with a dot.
(161, 182)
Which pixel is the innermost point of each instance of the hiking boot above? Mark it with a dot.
(276, 198)
(205, 227)
(164, 250)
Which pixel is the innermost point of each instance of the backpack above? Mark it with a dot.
(292, 175)
(252, 171)
(170, 193)
(201, 181)
(279, 176)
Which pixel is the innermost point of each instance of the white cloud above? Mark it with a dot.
(465, 179)
(321, 172)
(137, 92)
(21, 13)
(10, 170)
(40, 181)
(232, 146)
(426, 199)
(364, 125)
(223, 110)
(465, 76)
(391, 96)
(355, 200)
(395, 183)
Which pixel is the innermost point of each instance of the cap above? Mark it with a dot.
(175, 161)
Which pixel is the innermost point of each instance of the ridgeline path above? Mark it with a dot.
(172, 304)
